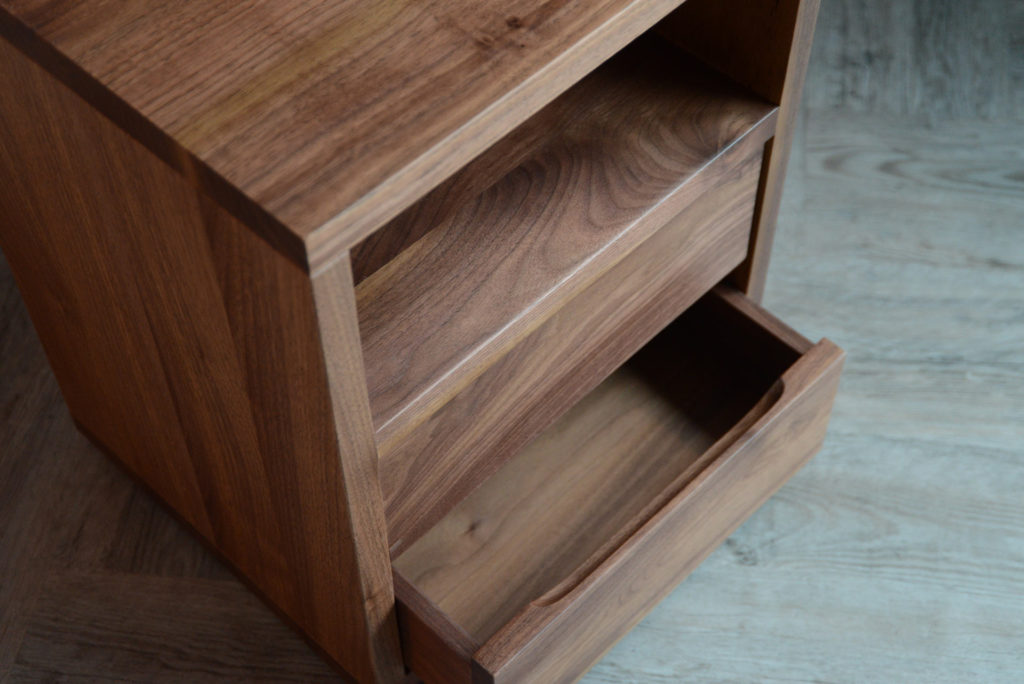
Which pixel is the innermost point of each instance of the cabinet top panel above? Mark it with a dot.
(316, 121)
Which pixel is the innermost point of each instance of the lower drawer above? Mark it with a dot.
(556, 556)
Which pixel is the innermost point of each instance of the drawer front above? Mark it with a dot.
(560, 634)
(427, 470)
(559, 642)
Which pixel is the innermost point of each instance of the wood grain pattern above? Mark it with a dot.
(591, 188)
(691, 527)
(191, 350)
(257, 366)
(351, 541)
(435, 648)
(99, 583)
(658, 457)
(318, 122)
(899, 236)
(765, 46)
(427, 470)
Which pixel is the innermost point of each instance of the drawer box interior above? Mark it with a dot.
(651, 470)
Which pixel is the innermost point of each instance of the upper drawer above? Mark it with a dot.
(453, 283)
(551, 560)
(436, 461)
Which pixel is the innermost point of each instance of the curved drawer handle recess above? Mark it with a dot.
(721, 446)
(800, 377)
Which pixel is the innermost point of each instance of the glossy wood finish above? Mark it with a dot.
(430, 468)
(555, 557)
(594, 174)
(765, 46)
(317, 122)
(191, 350)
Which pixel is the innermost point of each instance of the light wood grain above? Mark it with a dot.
(190, 349)
(607, 164)
(317, 122)
(543, 599)
(427, 470)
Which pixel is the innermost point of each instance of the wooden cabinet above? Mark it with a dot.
(436, 320)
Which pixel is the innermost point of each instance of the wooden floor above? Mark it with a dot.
(896, 556)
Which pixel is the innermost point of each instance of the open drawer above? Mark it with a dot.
(551, 560)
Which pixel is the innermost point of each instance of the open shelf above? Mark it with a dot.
(725, 383)
(460, 277)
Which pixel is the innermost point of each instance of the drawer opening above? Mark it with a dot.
(688, 471)
(452, 284)
(531, 538)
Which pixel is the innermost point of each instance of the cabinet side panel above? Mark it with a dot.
(763, 44)
(191, 350)
(334, 293)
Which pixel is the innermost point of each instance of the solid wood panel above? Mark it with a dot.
(190, 349)
(351, 541)
(609, 163)
(430, 468)
(318, 122)
(435, 648)
(765, 46)
(644, 477)
(542, 141)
